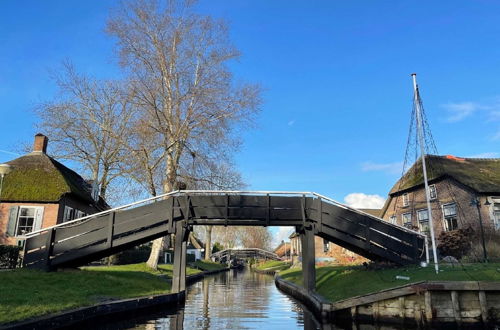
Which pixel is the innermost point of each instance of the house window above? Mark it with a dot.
(406, 219)
(71, 214)
(406, 200)
(432, 191)
(326, 246)
(450, 216)
(393, 219)
(496, 215)
(423, 221)
(25, 219)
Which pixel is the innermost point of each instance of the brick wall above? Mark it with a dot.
(448, 191)
(335, 252)
(50, 213)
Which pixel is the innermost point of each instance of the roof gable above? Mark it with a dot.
(38, 177)
(480, 174)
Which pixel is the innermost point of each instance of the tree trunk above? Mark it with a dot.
(167, 186)
(208, 242)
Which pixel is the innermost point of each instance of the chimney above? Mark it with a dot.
(40, 144)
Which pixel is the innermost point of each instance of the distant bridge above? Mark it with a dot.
(228, 254)
(80, 241)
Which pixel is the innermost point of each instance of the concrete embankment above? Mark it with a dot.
(423, 303)
(114, 308)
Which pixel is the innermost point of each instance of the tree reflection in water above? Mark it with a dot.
(237, 299)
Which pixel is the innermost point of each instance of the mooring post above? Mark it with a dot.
(308, 258)
(179, 271)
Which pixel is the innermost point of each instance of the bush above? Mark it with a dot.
(135, 255)
(455, 243)
(9, 256)
(217, 247)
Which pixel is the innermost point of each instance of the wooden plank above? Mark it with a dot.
(284, 214)
(144, 221)
(159, 208)
(154, 231)
(204, 201)
(34, 256)
(360, 244)
(428, 306)
(483, 305)
(455, 306)
(77, 229)
(248, 201)
(75, 254)
(80, 241)
(381, 225)
(36, 242)
(286, 202)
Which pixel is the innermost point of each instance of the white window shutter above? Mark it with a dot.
(38, 218)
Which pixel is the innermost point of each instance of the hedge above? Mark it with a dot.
(9, 256)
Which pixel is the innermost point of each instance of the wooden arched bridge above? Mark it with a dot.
(102, 234)
(228, 254)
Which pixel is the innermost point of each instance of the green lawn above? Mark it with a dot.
(273, 265)
(29, 293)
(207, 265)
(337, 283)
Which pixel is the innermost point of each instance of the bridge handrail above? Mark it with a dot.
(87, 217)
(214, 192)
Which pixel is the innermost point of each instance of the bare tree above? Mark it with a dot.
(177, 63)
(256, 237)
(84, 119)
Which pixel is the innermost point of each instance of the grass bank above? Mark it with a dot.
(337, 283)
(206, 265)
(29, 293)
(273, 265)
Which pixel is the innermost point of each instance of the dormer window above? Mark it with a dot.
(432, 191)
(406, 199)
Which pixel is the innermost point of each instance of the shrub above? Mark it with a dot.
(455, 243)
(9, 256)
(135, 255)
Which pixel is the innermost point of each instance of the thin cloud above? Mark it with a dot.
(462, 110)
(364, 201)
(291, 123)
(391, 168)
(458, 111)
(10, 152)
(485, 155)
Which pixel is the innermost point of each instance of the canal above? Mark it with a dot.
(237, 299)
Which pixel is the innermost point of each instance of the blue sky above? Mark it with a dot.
(336, 76)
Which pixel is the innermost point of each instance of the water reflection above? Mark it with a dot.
(230, 300)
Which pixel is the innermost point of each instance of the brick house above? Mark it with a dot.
(40, 192)
(455, 185)
(325, 251)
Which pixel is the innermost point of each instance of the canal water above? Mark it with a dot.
(237, 299)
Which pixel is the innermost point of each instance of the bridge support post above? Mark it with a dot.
(179, 271)
(308, 258)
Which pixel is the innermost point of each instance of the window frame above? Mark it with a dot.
(445, 217)
(420, 221)
(406, 223)
(495, 214)
(406, 200)
(393, 219)
(431, 188)
(37, 219)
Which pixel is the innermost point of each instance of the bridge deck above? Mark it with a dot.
(93, 237)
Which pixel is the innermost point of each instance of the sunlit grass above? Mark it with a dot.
(28, 293)
(273, 265)
(337, 283)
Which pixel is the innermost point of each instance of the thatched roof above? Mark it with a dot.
(480, 174)
(36, 177)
